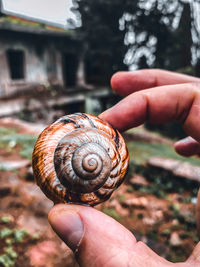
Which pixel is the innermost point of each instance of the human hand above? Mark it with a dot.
(158, 96)
(97, 239)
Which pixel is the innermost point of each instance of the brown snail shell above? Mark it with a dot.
(79, 159)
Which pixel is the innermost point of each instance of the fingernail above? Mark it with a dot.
(185, 140)
(68, 226)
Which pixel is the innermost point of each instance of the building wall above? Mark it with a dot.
(42, 60)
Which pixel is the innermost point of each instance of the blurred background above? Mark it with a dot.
(56, 58)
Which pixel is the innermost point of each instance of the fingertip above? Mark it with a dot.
(116, 82)
(187, 147)
(127, 82)
(54, 210)
(67, 224)
(60, 208)
(181, 149)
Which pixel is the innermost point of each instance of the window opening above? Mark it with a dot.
(16, 63)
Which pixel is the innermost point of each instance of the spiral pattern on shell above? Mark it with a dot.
(79, 159)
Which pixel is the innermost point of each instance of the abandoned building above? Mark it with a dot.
(34, 58)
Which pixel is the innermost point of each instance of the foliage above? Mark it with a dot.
(147, 33)
(12, 240)
(8, 258)
(9, 139)
(104, 41)
(5, 219)
(10, 237)
(17, 235)
(5, 232)
(158, 28)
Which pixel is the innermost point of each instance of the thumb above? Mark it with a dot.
(99, 240)
(96, 239)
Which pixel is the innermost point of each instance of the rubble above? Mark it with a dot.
(22, 126)
(175, 239)
(138, 180)
(9, 165)
(178, 168)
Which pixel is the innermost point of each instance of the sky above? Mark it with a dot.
(56, 11)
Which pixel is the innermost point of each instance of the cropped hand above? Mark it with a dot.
(151, 95)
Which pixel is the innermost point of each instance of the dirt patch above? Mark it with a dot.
(164, 221)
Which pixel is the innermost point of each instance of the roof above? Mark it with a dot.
(19, 23)
(12, 23)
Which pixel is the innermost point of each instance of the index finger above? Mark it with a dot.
(125, 83)
(165, 104)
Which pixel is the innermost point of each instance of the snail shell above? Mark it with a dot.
(79, 159)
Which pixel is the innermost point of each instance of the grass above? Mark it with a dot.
(9, 139)
(162, 181)
(140, 152)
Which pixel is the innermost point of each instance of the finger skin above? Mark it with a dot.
(159, 105)
(187, 147)
(125, 83)
(106, 242)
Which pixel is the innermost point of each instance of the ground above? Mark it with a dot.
(153, 204)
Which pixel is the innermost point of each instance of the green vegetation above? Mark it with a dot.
(35, 236)
(10, 240)
(140, 152)
(8, 258)
(153, 235)
(175, 208)
(9, 139)
(130, 189)
(5, 219)
(10, 237)
(166, 232)
(5, 232)
(17, 235)
(121, 198)
(161, 183)
(30, 24)
(172, 130)
(112, 213)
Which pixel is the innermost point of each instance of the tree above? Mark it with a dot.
(147, 33)
(103, 39)
(168, 24)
